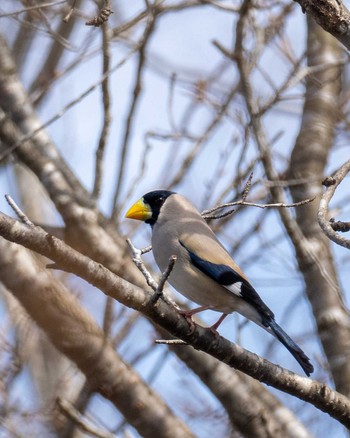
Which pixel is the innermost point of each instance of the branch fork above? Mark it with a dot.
(158, 288)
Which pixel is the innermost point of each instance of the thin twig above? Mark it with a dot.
(107, 114)
(203, 139)
(158, 288)
(102, 16)
(30, 8)
(247, 187)
(140, 173)
(171, 341)
(72, 103)
(206, 213)
(219, 216)
(164, 278)
(132, 110)
(80, 420)
(20, 214)
(70, 13)
(136, 258)
(332, 184)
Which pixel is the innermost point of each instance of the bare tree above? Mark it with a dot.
(99, 103)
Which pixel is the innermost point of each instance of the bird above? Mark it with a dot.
(204, 271)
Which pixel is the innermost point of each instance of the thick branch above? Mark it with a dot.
(74, 332)
(308, 161)
(331, 15)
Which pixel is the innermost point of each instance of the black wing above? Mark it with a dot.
(234, 282)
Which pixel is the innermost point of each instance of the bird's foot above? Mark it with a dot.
(187, 314)
(215, 326)
(214, 331)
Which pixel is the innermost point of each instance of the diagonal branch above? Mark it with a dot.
(331, 15)
(74, 332)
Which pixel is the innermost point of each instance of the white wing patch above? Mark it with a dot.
(235, 288)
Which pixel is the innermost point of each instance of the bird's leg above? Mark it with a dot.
(189, 313)
(215, 326)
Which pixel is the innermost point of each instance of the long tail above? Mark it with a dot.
(296, 351)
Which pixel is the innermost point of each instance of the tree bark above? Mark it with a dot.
(308, 161)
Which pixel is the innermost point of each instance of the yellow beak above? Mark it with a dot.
(139, 211)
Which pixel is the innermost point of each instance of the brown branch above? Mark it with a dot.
(51, 61)
(242, 397)
(201, 140)
(107, 114)
(70, 12)
(326, 225)
(309, 158)
(164, 278)
(32, 8)
(74, 332)
(83, 423)
(156, 287)
(331, 15)
(203, 339)
(22, 216)
(207, 213)
(342, 227)
(102, 16)
(133, 106)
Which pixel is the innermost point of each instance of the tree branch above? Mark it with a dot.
(74, 332)
(326, 225)
(331, 15)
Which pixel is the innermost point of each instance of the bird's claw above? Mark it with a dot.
(188, 316)
(214, 331)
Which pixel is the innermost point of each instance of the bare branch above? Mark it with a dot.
(157, 287)
(22, 216)
(170, 342)
(325, 224)
(309, 158)
(31, 8)
(206, 213)
(202, 139)
(164, 278)
(59, 114)
(70, 12)
(102, 17)
(133, 106)
(342, 227)
(75, 333)
(84, 424)
(331, 15)
(107, 114)
(136, 258)
(247, 187)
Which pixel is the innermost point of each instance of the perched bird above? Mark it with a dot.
(204, 271)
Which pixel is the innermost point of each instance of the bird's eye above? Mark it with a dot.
(159, 201)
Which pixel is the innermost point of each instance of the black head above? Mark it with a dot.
(155, 200)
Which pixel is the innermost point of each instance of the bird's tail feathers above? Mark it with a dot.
(291, 346)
